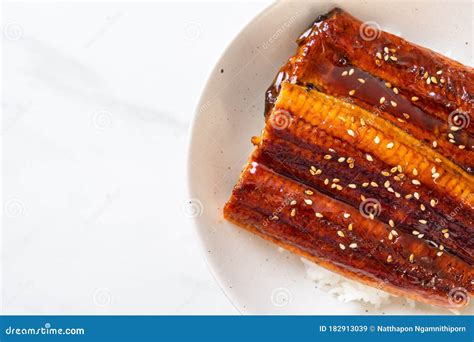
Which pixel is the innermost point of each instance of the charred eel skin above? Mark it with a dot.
(345, 183)
(422, 92)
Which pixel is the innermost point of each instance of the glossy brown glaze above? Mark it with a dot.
(433, 95)
(359, 187)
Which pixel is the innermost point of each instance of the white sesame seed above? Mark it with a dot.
(422, 221)
(415, 172)
(390, 145)
(433, 202)
(308, 192)
(389, 258)
(391, 223)
(341, 246)
(352, 186)
(347, 215)
(351, 71)
(393, 103)
(377, 139)
(374, 184)
(293, 212)
(395, 90)
(416, 195)
(344, 73)
(340, 233)
(351, 132)
(369, 157)
(308, 201)
(361, 80)
(439, 254)
(393, 58)
(352, 92)
(327, 156)
(382, 100)
(416, 182)
(412, 258)
(341, 159)
(293, 202)
(319, 215)
(422, 207)
(415, 232)
(414, 98)
(353, 245)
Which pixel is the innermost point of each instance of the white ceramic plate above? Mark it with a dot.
(254, 274)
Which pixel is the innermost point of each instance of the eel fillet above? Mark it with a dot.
(346, 184)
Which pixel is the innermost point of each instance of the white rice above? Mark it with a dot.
(346, 290)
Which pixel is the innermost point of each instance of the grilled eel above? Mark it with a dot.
(365, 164)
(422, 92)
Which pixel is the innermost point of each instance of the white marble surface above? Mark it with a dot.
(96, 104)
